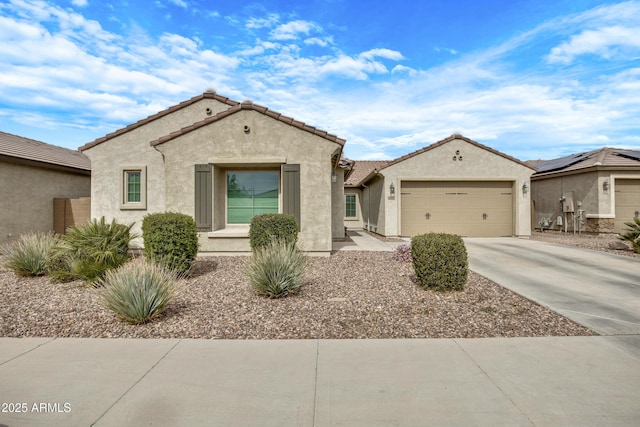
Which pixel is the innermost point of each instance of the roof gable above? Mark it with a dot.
(451, 138)
(163, 113)
(22, 148)
(250, 106)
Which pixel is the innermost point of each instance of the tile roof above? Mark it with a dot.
(205, 95)
(29, 149)
(234, 108)
(602, 157)
(362, 169)
(248, 105)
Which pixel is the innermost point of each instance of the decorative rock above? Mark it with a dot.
(618, 245)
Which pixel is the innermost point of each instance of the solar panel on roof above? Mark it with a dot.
(635, 155)
(561, 163)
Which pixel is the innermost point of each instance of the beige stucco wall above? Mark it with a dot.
(337, 205)
(270, 143)
(132, 149)
(27, 194)
(587, 188)
(478, 164)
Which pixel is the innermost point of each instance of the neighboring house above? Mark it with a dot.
(456, 185)
(221, 162)
(596, 191)
(32, 175)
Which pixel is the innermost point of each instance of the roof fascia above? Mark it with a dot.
(249, 106)
(44, 165)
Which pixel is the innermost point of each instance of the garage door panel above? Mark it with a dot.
(627, 194)
(467, 208)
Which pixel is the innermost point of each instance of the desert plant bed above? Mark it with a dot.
(346, 295)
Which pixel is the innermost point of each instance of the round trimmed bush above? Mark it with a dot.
(440, 261)
(171, 239)
(266, 227)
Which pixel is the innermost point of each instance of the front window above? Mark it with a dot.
(251, 193)
(133, 187)
(350, 205)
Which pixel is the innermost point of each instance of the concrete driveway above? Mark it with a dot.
(596, 289)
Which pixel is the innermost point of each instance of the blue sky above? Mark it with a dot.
(531, 78)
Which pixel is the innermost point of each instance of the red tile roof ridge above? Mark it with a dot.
(249, 105)
(160, 114)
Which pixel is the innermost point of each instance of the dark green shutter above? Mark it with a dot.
(203, 195)
(291, 191)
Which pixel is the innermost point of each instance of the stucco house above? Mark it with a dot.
(595, 191)
(32, 175)
(222, 162)
(456, 186)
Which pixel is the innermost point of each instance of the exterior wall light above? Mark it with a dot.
(525, 189)
(392, 190)
(334, 176)
(605, 186)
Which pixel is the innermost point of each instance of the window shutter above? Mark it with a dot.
(291, 191)
(203, 196)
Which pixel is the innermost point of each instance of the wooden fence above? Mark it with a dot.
(69, 212)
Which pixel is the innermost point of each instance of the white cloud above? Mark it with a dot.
(179, 3)
(319, 41)
(446, 49)
(268, 22)
(292, 30)
(605, 42)
(384, 104)
(382, 53)
(79, 3)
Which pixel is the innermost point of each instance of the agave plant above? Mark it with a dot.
(633, 234)
(27, 256)
(88, 250)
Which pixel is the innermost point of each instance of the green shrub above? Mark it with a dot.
(27, 255)
(88, 250)
(171, 239)
(266, 227)
(139, 290)
(277, 269)
(440, 261)
(633, 234)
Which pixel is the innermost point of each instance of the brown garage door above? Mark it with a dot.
(466, 208)
(627, 202)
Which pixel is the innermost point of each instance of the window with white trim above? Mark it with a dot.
(133, 188)
(350, 210)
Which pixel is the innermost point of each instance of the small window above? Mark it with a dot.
(350, 206)
(133, 188)
(251, 193)
(132, 178)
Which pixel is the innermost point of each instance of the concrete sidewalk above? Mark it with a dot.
(362, 241)
(436, 382)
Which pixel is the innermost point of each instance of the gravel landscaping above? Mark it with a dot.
(347, 295)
